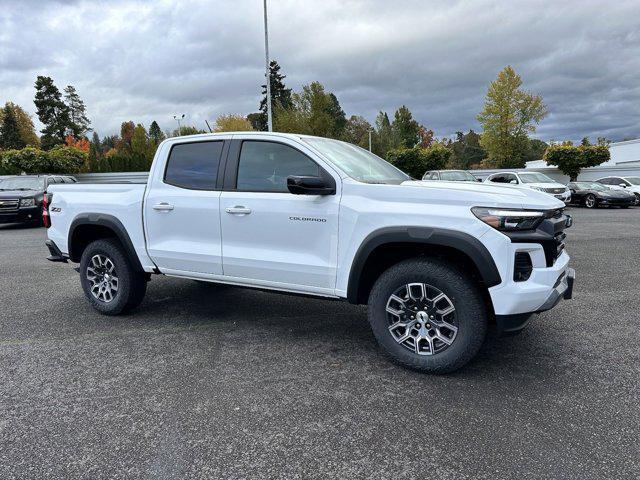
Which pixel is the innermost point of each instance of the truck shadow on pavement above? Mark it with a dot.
(326, 325)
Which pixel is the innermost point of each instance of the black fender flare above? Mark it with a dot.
(113, 224)
(441, 237)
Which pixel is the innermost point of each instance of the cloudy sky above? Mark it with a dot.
(148, 60)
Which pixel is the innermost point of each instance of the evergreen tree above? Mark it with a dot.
(466, 150)
(155, 134)
(280, 97)
(78, 121)
(9, 132)
(338, 117)
(52, 112)
(405, 128)
(25, 125)
(95, 153)
(383, 140)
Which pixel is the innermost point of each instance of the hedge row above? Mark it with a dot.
(60, 159)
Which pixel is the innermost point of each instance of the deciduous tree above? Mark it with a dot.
(509, 115)
(571, 159)
(232, 123)
(357, 130)
(313, 111)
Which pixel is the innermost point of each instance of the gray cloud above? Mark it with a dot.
(148, 60)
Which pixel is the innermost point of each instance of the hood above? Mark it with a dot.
(19, 193)
(545, 185)
(487, 194)
(613, 193)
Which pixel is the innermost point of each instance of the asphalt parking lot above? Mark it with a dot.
(219, 382)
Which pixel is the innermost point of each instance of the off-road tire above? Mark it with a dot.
(464, 293)
(132, 285)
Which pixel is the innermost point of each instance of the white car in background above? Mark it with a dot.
(533, 180)
(628, 184)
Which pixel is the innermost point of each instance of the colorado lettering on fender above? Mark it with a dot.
(308, 219)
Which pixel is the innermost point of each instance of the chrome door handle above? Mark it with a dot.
(238, 210)
(163, 207)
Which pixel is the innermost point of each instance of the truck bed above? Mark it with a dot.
(122, 201)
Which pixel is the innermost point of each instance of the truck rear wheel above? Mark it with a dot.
(108, 279)
(428, 315)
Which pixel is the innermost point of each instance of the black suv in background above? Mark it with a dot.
(21, 196)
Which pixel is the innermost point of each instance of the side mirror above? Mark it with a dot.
(478, 179)
(299, 185)
(513, 182)
(623, 185)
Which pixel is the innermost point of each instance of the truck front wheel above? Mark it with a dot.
(428, 315)
(108, 279)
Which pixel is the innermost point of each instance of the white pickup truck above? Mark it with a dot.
(435, 262)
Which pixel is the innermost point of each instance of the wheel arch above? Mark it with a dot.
(385, 247)
(87, 227)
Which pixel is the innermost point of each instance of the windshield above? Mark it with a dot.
(633, 180)
(22, 183)
(457, 176)
(357, 162)
(535, 178)
(591, 186)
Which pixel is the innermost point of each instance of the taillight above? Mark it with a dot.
(46, 220)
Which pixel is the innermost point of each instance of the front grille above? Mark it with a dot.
(9, 205)
(554, 190)
(559, 238)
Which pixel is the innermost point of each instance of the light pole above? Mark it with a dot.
(370, 130)
(268, 70)
(177, 119)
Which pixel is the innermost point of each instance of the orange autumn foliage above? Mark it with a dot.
(79, 143)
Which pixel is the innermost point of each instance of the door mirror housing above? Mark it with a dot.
(623, 185)
(303, 185)
(513, 182)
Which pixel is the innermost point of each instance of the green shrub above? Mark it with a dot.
(416, 161)
(63, 159)
(60, 159)
(570, 159)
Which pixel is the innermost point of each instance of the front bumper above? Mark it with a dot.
(23, 214)
(512, 324)
(617, 202)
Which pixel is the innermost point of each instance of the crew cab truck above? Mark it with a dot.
(435, 262)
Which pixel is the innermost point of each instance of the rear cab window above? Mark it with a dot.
(194, 165)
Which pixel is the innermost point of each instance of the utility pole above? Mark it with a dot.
(268, 70)
(370, 130)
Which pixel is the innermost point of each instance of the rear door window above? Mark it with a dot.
(194, 165)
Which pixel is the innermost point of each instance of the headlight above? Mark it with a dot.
(27, 202)
(509, 220)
